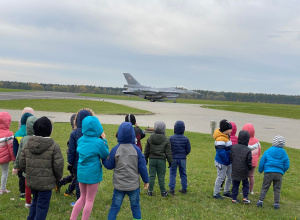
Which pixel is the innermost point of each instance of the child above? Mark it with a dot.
(73, 155)
(29, 131)
(240, 156)
(181, 147)
(70, 178)
(139, 133)
(17, 139)
(255, 147)
(43, 163)
(233, 138)
(128, 162)
(6, 148)
(92, 147)
(222, 161)
(158, 149)
(274, 163)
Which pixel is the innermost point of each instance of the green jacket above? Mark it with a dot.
(158, 146)
(43, 163)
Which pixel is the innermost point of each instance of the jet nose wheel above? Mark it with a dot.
(152, 100)
(174, 101)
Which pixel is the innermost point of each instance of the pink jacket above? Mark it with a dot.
(254, 144)
(6, 139)
(233, 137)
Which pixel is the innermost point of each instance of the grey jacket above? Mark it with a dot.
(43, 163)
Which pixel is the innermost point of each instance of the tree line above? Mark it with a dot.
(205, 95)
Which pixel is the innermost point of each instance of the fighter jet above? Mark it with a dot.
(133, 87)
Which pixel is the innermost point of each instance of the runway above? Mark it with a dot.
(196, 118)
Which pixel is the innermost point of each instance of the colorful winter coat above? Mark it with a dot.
(223, 146)
(6, 139)
(233, 137)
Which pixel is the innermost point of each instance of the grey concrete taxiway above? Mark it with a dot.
(196, 118)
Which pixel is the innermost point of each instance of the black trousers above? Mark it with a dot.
(235, 188)
(21, 182)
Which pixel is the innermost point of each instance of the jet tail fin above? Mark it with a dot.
(130, 79)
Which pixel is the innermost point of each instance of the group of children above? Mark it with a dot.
(237, 157)
(39, 162)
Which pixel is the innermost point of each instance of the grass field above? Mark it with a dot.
(68, 105)
(14, 90)
(197, 204)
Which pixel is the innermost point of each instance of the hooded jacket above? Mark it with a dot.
(21, 132)
(233, 137)
(6, 139)
(254, 144)
(158, 146)
(73, 155)
(180, 144)
(127, 161)
(223, 146)
(241, 157)
(91, 148)
(43, 163)
(30, 132)
(275, 159)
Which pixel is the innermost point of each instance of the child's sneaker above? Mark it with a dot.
(22, 196)
(4, 191)
(73, 203)
(172, 192)
(27, 205)
(149, 193)
(235, 201)
(68, 193)
(251, 192)
(57, 188)
(218, 196)
(246, 201)
(227, 194)
(164, 194)
(276, 205)
(183, 191)
(259, 203)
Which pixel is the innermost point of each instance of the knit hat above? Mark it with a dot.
(159, 127)
(42, 127)
(225, 125)
(130, 118)
(28, 110)
(278, 141)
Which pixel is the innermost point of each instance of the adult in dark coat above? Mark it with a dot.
(241, 160)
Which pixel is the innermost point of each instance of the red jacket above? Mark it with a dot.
(6, 139)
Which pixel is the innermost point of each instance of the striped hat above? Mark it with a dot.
(278, 141)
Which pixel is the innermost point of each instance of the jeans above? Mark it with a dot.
(181, 164)
(118, 196)
(276, 178)
(40, 205)
(235, 188)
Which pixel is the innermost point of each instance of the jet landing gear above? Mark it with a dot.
(174, 101)
(152, 100)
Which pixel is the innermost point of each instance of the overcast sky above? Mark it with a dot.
(219, 45)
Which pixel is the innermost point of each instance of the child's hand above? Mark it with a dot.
(146, 185)
(15, 171)
(102, 135)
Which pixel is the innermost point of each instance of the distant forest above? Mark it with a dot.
(205, 95)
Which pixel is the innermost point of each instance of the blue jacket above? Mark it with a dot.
(180, 144)
(73, 155)
(127, 161)
(275, 159)
(91, 149)
(223, 146)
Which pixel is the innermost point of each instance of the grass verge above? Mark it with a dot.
(197, 204)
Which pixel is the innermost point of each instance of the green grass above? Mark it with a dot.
(68, 105)
(197, 204)
(14, 90)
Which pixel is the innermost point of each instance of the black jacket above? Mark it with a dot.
(241, 157)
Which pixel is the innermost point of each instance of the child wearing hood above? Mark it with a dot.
(139, 133)
(6, 149)
(30, 132)
(181, 147)
(233, 137)
(158, 150)
(241, 158)
(17, 139)
(223, 146)
(255, 147)
(274, 163)
(92, 147)
(128, 163)
(42, 162)
(73, 155)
